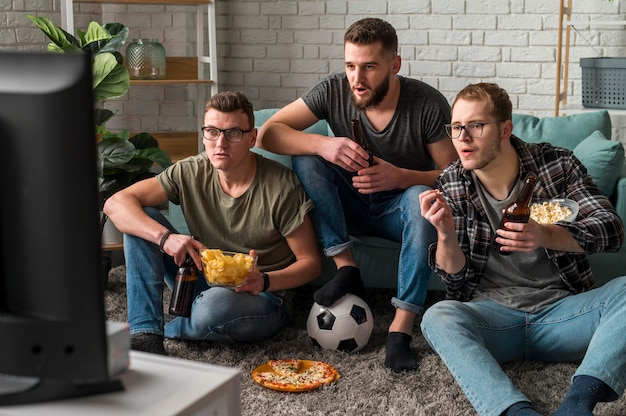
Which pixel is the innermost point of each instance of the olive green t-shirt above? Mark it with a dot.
(273, 207)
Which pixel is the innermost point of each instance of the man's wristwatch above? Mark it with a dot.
(266, 281)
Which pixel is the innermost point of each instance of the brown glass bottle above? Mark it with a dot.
(517, 211)
(184, 288)
(357, 136)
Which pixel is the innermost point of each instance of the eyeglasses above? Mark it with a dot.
(233, 135)
(473, 130)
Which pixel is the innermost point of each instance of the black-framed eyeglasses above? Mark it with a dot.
(233, 135)
(473, 130)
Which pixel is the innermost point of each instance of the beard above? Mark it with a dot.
(378, 94)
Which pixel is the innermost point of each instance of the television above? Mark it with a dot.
(52, 317)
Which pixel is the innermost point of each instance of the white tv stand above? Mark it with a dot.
(154, 386)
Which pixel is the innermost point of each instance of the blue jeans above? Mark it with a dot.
(340, 210)
(216, 313)
(474, 338)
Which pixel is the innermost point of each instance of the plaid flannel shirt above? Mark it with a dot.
(560, 175)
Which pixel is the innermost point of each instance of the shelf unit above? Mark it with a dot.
(562, 59)
(186, 70)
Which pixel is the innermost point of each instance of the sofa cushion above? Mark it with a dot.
(261, 116)
(603, 159)
(567, 131)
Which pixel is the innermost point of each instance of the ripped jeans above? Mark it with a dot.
(216, 313)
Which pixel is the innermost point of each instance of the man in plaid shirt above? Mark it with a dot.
(538, 303)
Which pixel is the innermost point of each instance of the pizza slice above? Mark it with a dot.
(285, 367)
(321, 372)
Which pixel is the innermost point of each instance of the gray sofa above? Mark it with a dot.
(586, 134)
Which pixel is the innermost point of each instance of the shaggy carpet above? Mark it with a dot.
(365, 387)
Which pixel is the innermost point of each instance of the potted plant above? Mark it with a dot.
(123, 159)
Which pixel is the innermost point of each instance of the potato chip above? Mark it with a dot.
(226, 268)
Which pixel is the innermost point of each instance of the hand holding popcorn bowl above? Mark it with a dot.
(226, 268)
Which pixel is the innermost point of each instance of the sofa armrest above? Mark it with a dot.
(620, 197)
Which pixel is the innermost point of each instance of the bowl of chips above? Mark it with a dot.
(226, 268)
(553, 210)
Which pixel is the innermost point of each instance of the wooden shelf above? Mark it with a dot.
(179, 70)
(112, 247)
(178, 145)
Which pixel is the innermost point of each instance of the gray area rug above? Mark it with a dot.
(365, 386)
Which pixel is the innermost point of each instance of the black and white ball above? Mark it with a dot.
(345, 326)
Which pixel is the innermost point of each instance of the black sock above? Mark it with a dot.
(347, 280)
(521, 409)
(147, 342)
(583, 395)
(399, 355)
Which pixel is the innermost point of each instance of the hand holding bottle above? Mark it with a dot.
(517, 211)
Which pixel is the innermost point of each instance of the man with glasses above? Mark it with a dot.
(538, 302)
(402, 121)
(232, 199)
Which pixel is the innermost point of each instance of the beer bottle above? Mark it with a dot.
(517, 211)
(184, 287)
(357, 136)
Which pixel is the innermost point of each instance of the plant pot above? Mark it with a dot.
(110, 233)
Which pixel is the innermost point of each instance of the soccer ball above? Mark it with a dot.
(345, 326)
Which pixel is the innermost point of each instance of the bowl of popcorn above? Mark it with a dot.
(553, 210)
(226, 268)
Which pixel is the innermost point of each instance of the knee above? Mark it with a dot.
(305, 163)
(411, 202)
(212, 306)
(413, 193)
(412, 215)
(441, 316)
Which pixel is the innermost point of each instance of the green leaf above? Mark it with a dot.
(110, 79)
(119, 35)
(58, 36)
(156, 155)
(115, 152)
(102, 115)
(144, 141)
(124, 134)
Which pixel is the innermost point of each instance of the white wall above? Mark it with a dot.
(275, 50)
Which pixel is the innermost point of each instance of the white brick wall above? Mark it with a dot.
(275, 50)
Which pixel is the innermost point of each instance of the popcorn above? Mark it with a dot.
(549, 212)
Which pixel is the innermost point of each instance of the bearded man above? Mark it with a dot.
(403, 127)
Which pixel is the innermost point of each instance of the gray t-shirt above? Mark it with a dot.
(524, 281)
(418, 121)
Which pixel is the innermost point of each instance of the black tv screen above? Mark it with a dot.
(52, 319)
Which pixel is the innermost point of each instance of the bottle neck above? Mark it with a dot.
(526, 193)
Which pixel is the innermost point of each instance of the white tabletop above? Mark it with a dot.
(154, 385)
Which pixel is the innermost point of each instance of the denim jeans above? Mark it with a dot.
(474, 338)
(340, 210)
(216, 313)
